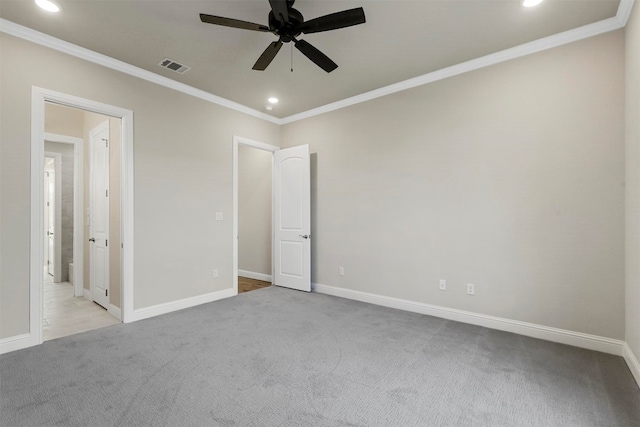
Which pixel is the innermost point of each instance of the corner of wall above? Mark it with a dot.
(632, 192)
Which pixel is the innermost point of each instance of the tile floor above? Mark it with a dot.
(65, 314)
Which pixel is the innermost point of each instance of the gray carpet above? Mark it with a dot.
(275, 357)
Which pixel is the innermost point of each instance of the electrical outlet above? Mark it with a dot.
(215, 273)
(471, 289)
(341, 271)
(443, 285)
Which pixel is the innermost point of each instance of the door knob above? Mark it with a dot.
(92, 239)
(305, 236)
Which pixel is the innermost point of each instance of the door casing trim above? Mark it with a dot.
(39, 96)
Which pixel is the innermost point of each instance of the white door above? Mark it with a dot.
(49, 215)
(292, 218)
(99, 214)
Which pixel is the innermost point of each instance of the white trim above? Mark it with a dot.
(78, 204)
(115, 311)
(624, 11)
(57, 227)
(17, 342)
(254, 275)
(570, 36)
(63, 139)
(563, 336)
(86, 293)
(632, 362)
(39, 96)
(169, 307)
(114, 64)
(261, 146)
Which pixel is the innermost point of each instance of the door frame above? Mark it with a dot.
(57, 221)
(78, 203)
(238, 140)
(39, 96)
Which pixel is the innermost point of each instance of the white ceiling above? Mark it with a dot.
(400, 40)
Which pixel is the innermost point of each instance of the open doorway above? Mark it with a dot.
(255, 170)
(52, 216)
(78, 168)
(253, 209)
(291, 216)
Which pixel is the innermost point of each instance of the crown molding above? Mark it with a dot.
(46, 40)
(624, 11)
(570, 36)
(560, 39)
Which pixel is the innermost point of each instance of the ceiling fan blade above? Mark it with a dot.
(267, 56)
(346, 18)
(319, 58)
(280, 10)
(234, 23)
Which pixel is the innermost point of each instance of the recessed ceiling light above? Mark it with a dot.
(268, 107)
(273, 100)
(49, 5)
(531, 3)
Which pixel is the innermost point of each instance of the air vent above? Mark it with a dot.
(172, 65)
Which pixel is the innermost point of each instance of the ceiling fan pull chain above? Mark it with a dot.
(292, 57)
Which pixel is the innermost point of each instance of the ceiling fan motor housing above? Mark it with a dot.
(289, 30)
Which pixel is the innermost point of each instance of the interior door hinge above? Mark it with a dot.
(106, 242)
(106, 142)
(106, 193)
(106, 292)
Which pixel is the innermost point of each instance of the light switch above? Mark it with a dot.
(219, 216)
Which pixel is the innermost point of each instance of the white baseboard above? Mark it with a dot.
(577, 339)
(86, 293)
(15, 343)
(115, 311)
(168, 307)
(632, 362)
(256, 276)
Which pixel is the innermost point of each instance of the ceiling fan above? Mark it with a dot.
(287, 23)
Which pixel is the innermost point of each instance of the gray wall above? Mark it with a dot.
(63, 120)
(633, 181)
(510, 177)
(254, 210)
(183, 162)
(66, 214)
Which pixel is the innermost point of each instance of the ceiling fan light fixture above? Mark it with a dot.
(273, 100)
(530, 3)
(49, 5)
